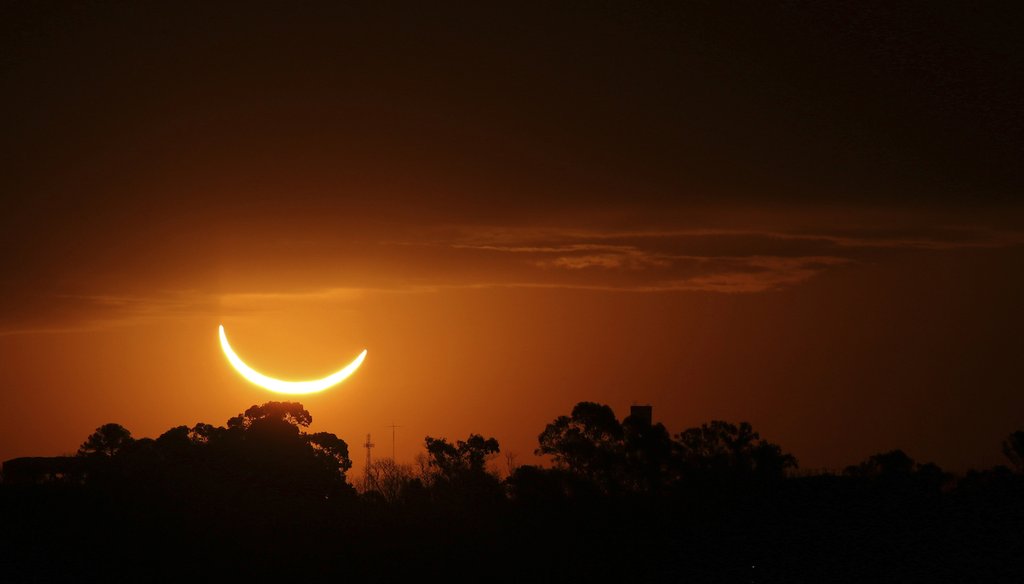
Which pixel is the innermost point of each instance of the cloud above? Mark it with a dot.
(88, 312)
(728, 276)
(558, 239)
(760, 274)
(716, 261)
(627, 258)
(544, 249)
(92, 312)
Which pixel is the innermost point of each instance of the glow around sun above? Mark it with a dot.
(280, 385)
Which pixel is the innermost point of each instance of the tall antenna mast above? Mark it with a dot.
(393, 426)
(367, 480)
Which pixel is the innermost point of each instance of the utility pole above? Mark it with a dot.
(367, 480)
(393, 426)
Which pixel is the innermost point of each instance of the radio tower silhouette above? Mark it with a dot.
(393, 426)
(366, 479)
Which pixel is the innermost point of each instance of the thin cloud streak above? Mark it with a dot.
(724, 261)
(506, 239)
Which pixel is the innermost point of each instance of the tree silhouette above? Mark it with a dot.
(897, 468)
(468, 456)
(458, 472)
(588, 442)
(648, 454)
(619, 494)
(1013, 449)
(892, 464)
(332, 450)
(179, 435)
(291, 413)
(202, 433)
(476, 450)
(442, 456)
(721, 449)
(108, 440)
(266, 445)
(389, 478)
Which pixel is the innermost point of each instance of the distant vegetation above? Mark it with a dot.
(624, 501)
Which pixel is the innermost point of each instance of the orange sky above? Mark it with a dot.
(782, 214)
(836, 346)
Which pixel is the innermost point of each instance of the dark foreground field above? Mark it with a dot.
(262, 501)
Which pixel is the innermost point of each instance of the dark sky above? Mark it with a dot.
(781, 176)
(838, 102)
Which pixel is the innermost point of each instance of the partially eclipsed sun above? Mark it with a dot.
(281, 386)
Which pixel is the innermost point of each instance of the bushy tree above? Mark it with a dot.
(263, 450)
(465, 456)
(269, 442)
(333, 451)
(647, 454)
(587, 442)
(895, 467)
(108, 440)
(459, 471)
(724, 450)
(202, 433)
(291, 413)
(891, 464)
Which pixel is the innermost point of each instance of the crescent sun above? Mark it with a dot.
(280, 385)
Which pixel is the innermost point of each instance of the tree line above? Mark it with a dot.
(591, 451)
(622, 500)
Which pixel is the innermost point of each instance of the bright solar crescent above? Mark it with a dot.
(280, 385)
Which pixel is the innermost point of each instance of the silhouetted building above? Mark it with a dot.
(641, 414)
(41, 469)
